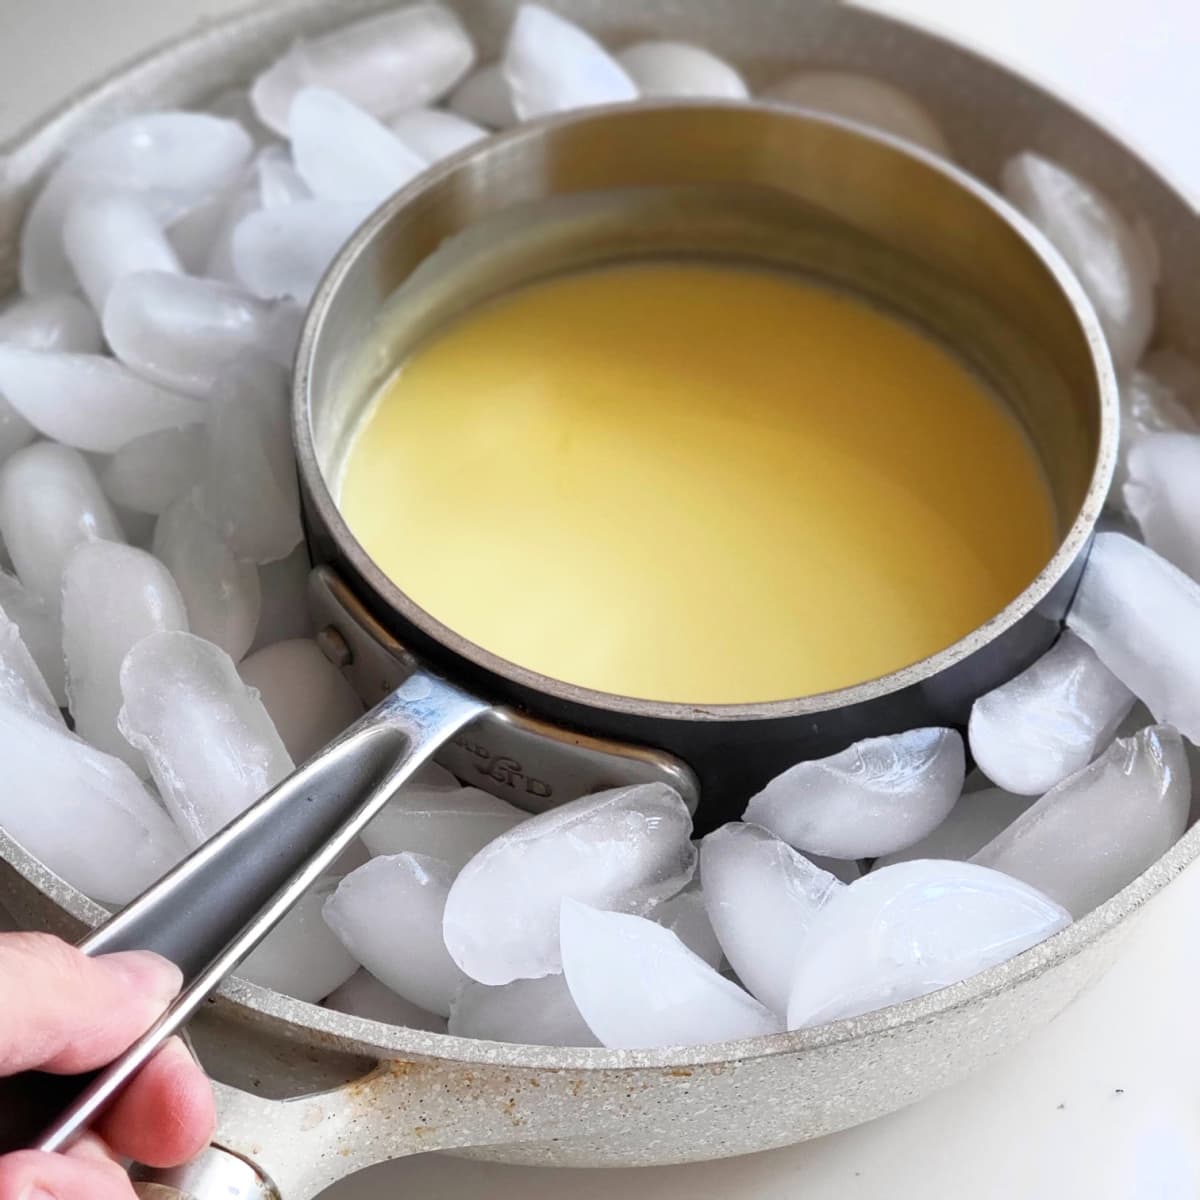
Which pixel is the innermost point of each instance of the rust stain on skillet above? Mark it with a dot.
(365, 1090)
(374, 1095)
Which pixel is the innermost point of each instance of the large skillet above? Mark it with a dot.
(311, 1095)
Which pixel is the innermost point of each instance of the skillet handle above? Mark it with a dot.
(211, 910)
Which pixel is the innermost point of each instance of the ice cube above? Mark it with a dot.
(181, 332)
(220, 590)
(484, 98)
(285, 611)
(51, 322)
(434, 133)
(552, 65)
(1170, 398)
(875, 797)
(1051, 719)
(149, 473)
(686, 916)
(1141, 615)
(238, 204)
(248, 487)
(86, 400)
(50, 502)
(978, 817)
(22, 684)
(169, 157)
(344, 154)
(538, 1012)
(301, 956)
(308, 698)
(1161, 395)
(638, 986)
(1098, 244)
(113, 596)
(362, 995)
(279, 183)
(40, 627)
(388, 914)
(434, 814)
(627, 848)
(172, 160)
(762, 897)
(910, 929)
(680, 69)
(56, 321)
(1085, 839)
(110, 235)
(864, 99)
(285, 251)
(194, 235)
(1162, 494)
(85, 814)
(207, 738)
(15, 431)
(386, 63)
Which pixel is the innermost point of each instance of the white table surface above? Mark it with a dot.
(1105, 1103)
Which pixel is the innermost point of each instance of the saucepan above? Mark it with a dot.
(735, 181)
(307, 1095)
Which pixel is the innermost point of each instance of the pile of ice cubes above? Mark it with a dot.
(158, 673)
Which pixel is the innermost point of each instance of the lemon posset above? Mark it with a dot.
(697, 482)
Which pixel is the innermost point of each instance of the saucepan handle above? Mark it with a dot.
(209, 912)
(214, 1173)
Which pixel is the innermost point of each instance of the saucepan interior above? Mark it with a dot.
(743, 182)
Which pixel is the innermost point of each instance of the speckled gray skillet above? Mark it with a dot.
(310, 1095)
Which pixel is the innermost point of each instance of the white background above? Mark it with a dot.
(1103, 1105)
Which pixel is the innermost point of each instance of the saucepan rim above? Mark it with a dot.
(1070, 547)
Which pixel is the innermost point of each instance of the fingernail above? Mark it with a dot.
(145, 973)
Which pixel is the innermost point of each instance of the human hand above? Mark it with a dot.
(63, 1012)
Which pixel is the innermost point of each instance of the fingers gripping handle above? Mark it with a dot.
(209, 912)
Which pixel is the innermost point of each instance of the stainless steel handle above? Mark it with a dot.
(512, 754)
(209, 912)
(215, 1172)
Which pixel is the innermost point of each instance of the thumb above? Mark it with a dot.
(65, 1012)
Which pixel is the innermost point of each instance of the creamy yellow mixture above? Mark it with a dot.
(697, 482)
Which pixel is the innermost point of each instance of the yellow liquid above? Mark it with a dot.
(697, 482)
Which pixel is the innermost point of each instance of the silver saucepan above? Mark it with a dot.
(739, 181)
(309, 1095)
